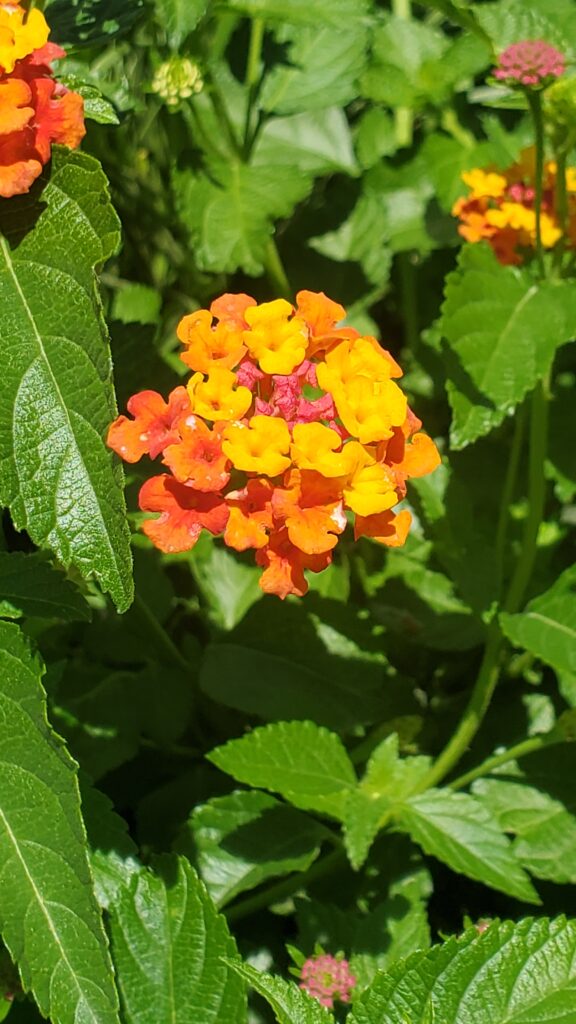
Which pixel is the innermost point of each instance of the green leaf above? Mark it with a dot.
(179, 18)
(228, 583)
(307, 764)
(56, 393)
(290, 1004)
(335, 13)
(169, 945)
(459, 830)
(404, 53)
(536, 801)
(547, 628)
(113, 854)
(361, 238)
(508, 21)
(503, 329)
(230, 214)
(388, 780)
(316, 142)
(48, 915)
(322, 67)
(96, 106)
(512, 974)
(29, 585)
(245, 838)
(137, 303)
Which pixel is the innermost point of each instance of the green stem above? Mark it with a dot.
(403, 116)
(476, 709)
(221, 112)
(536, 497)
(535, 104)
(520, 750)
(252, 81)
(561, 207)
(287, 887)
(275, 270)
(163, 641)
(508, 492)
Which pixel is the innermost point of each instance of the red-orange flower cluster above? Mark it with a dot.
(35, 110)
(290, 424)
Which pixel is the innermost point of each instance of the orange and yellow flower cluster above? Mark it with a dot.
(500, 208)
(290, 424)
(35, 110)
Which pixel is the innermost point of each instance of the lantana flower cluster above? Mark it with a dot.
(500, 208)
(289, 426)
(531, 63)
(35, 110)
(326, 978)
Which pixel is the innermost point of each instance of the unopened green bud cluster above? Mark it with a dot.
(177, 79)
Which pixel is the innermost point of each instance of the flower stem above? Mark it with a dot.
(535, 104)
(163, 642)
(251, 81)
(476, 709)
(276, 272)
(403, 116)
(508, 492)
(528, 746)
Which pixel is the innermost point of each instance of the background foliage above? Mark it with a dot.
(198, 782)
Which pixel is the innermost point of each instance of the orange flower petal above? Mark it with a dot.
(231, 308)
(250, 515)
(284, 566)
(153, 427)
(184, 513)
(385, 527)
(197, 458)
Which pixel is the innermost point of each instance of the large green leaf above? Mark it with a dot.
(240, 840)
(169, 945)
(503, 329)
(460, 831)
(512, 974)
(536, 801)
(547, 628)
(56, 394)
(29, 585)
(113, 854)
(322, 68)
(48, 915)
(307, 764)
(230, 214)
(289, 1003)
(179, 18)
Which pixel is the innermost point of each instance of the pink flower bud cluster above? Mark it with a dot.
(327, 978)
(530, 62)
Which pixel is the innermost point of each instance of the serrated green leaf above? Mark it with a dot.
(169, 945)
(512, 974)
(230, 214)
(459, 830)
(503, 329)
(179, 18)
(316, 142)
(508, 21)
(388, 780)
(547, 628)
(96, 106)
(49, 919)
(536, 801)
(307, 764)
(290, 1004)
(322, 68)
(29, 585)
(240, 840)
(335, 13)
(56, 394)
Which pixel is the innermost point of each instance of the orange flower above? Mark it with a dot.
(184, 513)
(34, 110)
(303, 415)
(284, 566)
(250, 519)
(311, 508)
(197, 458)
(153, 428)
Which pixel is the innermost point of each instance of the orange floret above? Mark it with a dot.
(153, 428)
(197, 458)
(251, 518)
(311, 508)
(284, 566)
(184, 513)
